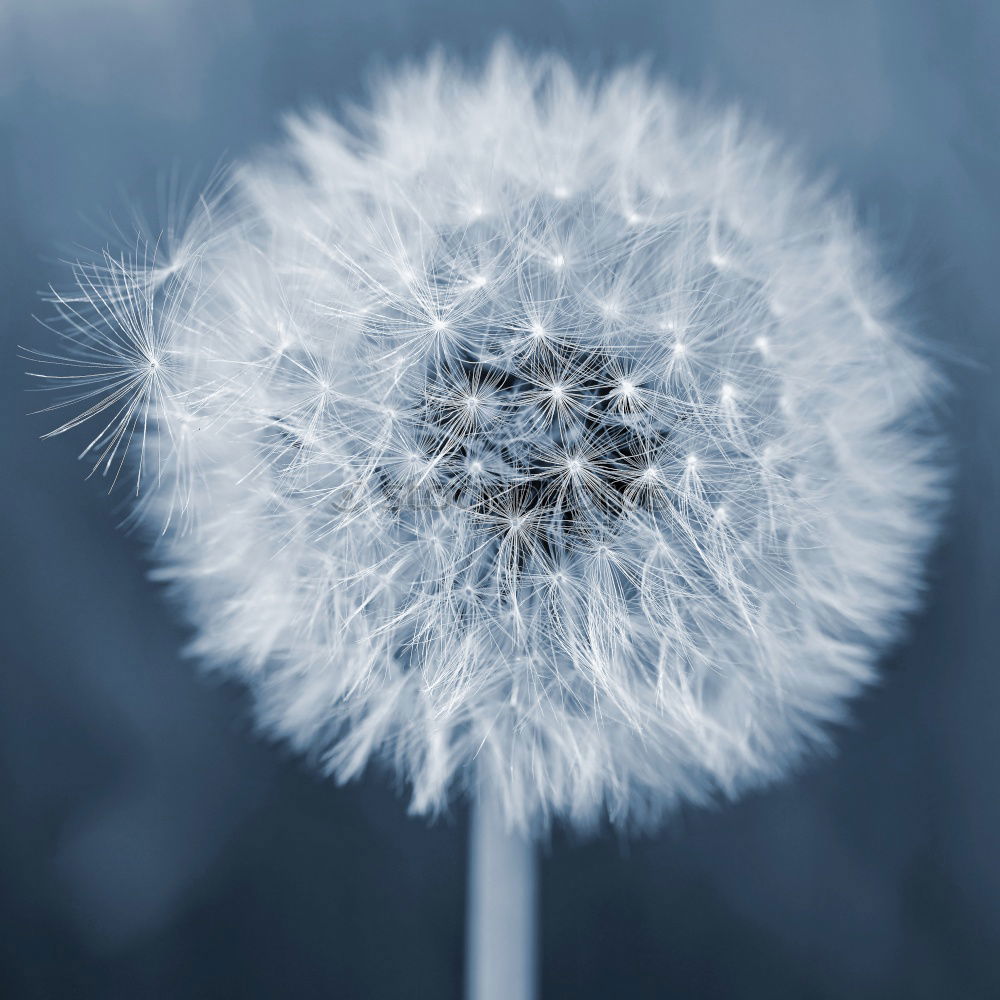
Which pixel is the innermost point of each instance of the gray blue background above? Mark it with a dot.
(152, 847)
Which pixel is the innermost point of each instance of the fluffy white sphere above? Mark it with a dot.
(551, 431)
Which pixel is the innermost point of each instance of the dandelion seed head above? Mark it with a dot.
(459, 502)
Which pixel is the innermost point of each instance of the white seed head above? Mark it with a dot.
(598, 523)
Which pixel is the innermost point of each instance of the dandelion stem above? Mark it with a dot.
(501, 959)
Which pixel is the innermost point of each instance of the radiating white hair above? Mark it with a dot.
(548, 429)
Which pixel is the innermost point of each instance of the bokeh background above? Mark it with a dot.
(151, 846)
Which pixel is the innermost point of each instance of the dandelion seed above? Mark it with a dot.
(442, 499)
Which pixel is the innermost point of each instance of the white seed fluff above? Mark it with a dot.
(549, 433)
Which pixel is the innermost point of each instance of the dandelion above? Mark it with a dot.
(539, 436)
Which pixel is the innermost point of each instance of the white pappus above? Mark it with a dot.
(547, 430)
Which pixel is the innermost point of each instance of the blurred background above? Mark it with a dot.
(151, 846)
